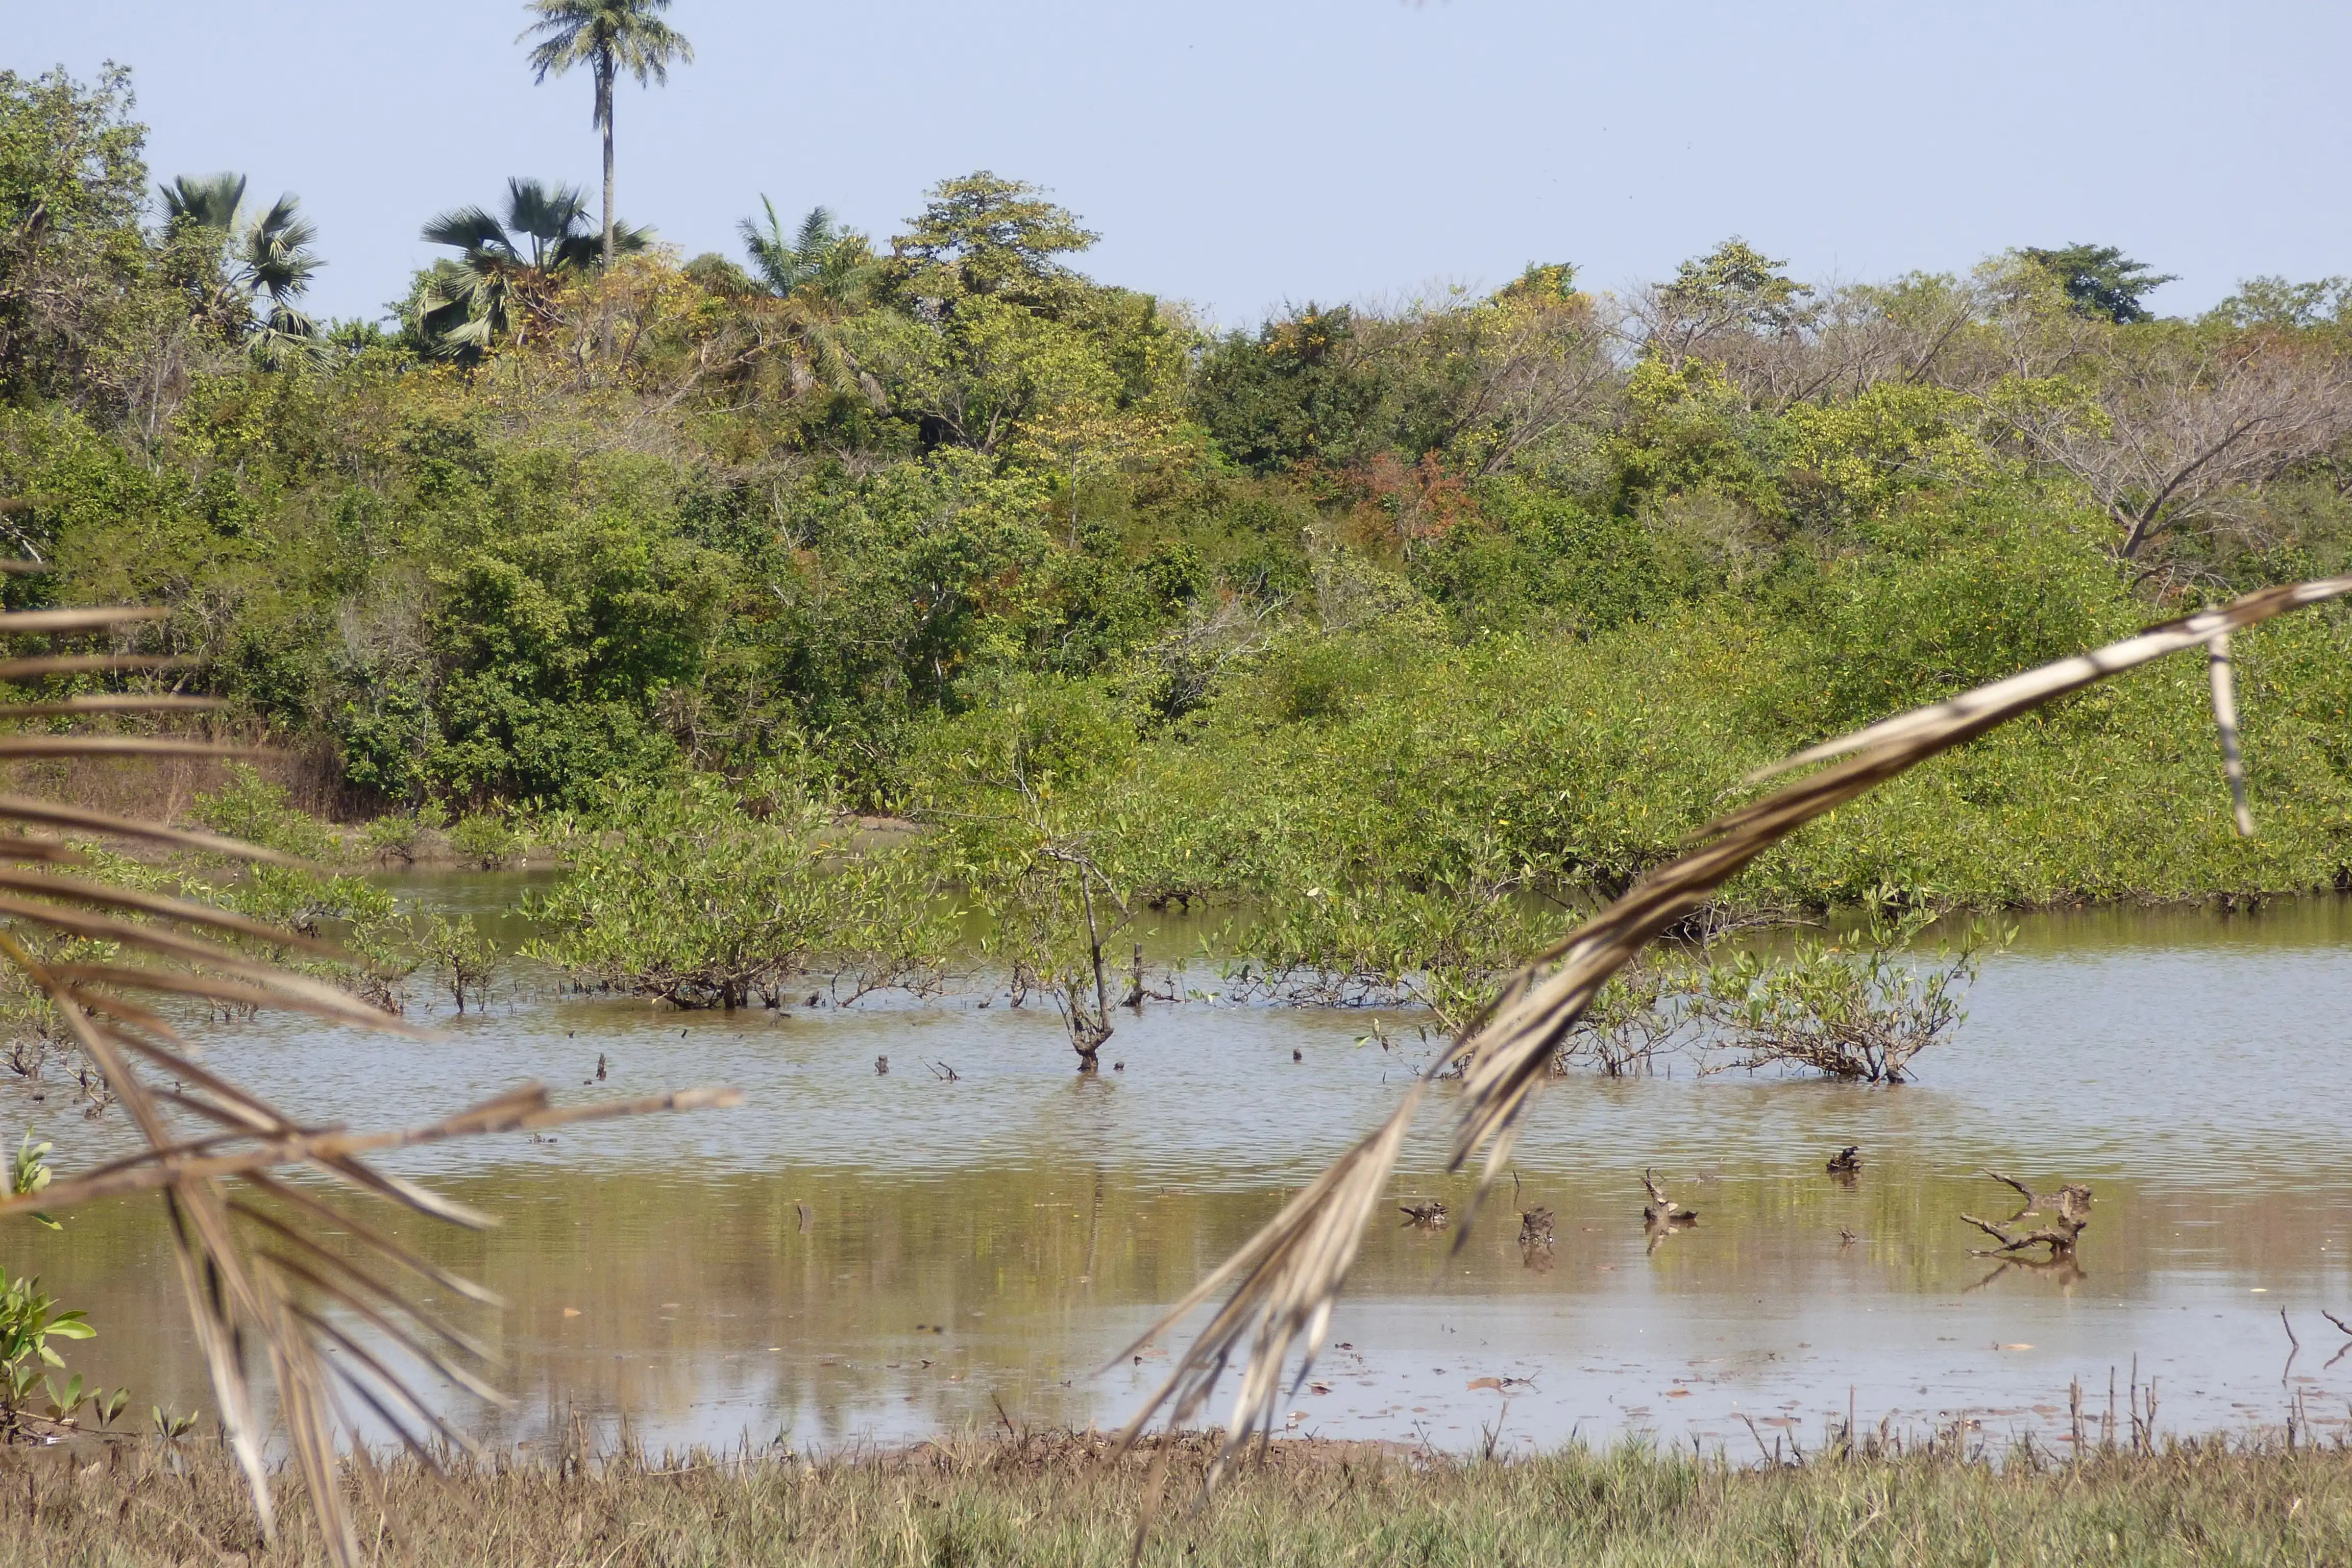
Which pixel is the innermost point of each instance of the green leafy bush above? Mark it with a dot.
(1860, 1009)
(29, 1320)
(464, 957)
(485, 840)
(360, 916)
(393, 836)
(708, 896)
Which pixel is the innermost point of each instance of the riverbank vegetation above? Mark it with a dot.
(1404, 627)
(1059, 1499)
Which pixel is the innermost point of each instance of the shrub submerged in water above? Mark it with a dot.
(706, 896)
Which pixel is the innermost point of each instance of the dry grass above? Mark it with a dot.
(1066, 1500)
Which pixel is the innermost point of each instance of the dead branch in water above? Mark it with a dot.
(2071, 1203)
(2346, 1329)
(1662, 1209)
(1661, 1217)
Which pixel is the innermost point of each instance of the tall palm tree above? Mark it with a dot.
(259, 262)
(608, 36)
(507, 267)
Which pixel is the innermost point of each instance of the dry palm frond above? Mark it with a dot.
(1290, 1272)
(50, 623)
(255, 1273)
(119, 702)
(90, 664)
(2225, 722)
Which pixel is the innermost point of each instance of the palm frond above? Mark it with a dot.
(25, 810)
(109, 703)
(1286, 1278)
(547, 213)
(813, 251)
(608, 36)
(585, 252)
(49, 623)
(765, 247)
(71, 745)
(468, 229)
(1289, 1274)
(816, 235)
(256, 1273)
(2223, 678)
(91, 664)
(207, 201)
(275, 255)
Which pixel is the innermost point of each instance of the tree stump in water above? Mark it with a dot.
(1535, 1239)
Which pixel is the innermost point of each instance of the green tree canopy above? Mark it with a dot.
(72, 181)
(2272, 301)
(983, 233)
(2100, 281)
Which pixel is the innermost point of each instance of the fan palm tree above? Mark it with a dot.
(275, 261)
(259, 263)
(608, 36)
(508, 267)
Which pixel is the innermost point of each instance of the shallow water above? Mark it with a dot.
(853, 1256)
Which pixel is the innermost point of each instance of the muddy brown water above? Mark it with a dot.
(851, 1256)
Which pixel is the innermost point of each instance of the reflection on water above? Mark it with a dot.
(855, 1255)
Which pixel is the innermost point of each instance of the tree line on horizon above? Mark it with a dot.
(865, 508)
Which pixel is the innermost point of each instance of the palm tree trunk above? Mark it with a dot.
(604, 112)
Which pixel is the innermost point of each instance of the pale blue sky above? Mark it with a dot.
(1240, 155)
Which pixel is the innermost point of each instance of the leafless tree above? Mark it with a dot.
(1180, 670)
(1782, 342)
(2173, 429)
(1491, 383)
(1543, 369)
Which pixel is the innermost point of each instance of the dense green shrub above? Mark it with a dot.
(704, 896)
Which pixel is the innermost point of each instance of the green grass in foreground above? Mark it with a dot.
(1051, 1500)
